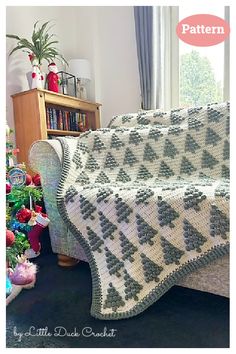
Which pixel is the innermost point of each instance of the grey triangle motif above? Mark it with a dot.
(134, 137)
(219, 223)
(95, 241)
(213, 115)
(126, 119)
(165, 170)
(70, 194)
(145, 232)
(132, 287)
(116, 143)
(92, 164)
(127, 248)
(192, 198)
(77, 159)
(143, 120)
(107, 227)
(166, 213)
(225, 173)
(226, 150)
(87, 209)
(113, 299)
(212, 138)
(98, 144)
(150, 269)
(175, 118)
(171, 253)
(103, 193)
(110, 162)
(102, 178)
(143, 173)
(122, 210)
(169, 149)
(129, 158)
(192, 237)
(190, 144)
(186, 167)
(114, 265)
(142, 195)
(123, 176)
(208, 161)
(194, 123)
(149, 153)
(82, 178)
(155, 134)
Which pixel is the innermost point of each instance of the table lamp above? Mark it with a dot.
(80, 68)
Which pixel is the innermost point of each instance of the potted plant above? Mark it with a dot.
(41, 47)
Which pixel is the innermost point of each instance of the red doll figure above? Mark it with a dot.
(53, 78)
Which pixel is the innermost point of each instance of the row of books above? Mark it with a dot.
(66, 120)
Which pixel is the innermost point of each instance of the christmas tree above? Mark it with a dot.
(22, 194)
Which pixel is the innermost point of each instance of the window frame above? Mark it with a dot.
(170, 59)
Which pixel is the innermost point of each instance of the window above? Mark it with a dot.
(201, 69)
(189, 75)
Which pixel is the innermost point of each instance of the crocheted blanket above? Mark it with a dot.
(148, 200)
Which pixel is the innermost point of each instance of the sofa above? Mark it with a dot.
(46, 158)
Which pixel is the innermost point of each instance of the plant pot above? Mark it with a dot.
(29, 79)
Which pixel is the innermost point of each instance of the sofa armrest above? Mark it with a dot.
(45, 158)
(39, 150)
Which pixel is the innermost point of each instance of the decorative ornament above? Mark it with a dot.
(32, 220)
(16, 225)
(24, 214)
(20, 235)
(24, 272)
(37, 77)
(10, 238)
(38, 210)
(23, 277)
(34, 234)
(8, 188)
(28, 179)
(36, 180)
(17, 177)
(53, 78)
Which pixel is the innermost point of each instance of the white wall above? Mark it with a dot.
(20, 21)
(118, 61)
(103, 35)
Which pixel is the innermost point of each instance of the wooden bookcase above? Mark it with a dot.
(30, 115)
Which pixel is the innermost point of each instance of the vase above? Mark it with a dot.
(38, 81)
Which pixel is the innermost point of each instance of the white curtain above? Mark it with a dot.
(166, 57)
(227, 60)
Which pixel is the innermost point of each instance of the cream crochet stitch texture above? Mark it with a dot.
(148, 199)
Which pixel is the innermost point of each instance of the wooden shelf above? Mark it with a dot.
(30, 117)
(62, 132)
(53, 97)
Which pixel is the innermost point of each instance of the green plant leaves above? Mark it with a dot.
(16, 48)
(42, 45)
(12, 36)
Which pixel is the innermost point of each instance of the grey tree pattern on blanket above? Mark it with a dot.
(148, 200)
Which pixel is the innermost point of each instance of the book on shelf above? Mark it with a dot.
(48, 118)
(62, 119)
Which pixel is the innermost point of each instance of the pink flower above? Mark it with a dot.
(15, 151)
(31, 56)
